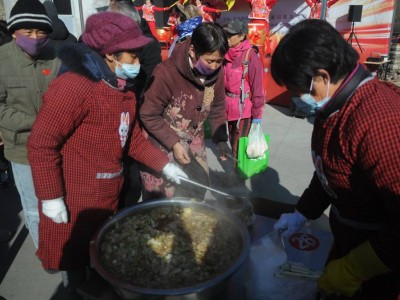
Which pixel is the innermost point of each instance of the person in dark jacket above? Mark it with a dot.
(150, 57)
(60, 32)
(5, 36)
(355, 148)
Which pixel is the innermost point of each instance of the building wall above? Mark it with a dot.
(81, 9)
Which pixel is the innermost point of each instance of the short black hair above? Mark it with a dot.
(208, 38)
(310, 45)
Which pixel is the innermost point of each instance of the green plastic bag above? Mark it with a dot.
(251, 166)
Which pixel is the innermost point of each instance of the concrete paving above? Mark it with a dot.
(289, 173)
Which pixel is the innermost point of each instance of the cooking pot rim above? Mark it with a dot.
(185, 202)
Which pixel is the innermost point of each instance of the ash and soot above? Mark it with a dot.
(169, 247)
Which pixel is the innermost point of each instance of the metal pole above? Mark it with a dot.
(324, 8)
(392, 27)
(81, 16)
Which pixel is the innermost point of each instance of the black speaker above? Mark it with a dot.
(355, 12)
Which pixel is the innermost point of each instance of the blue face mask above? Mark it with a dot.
(127, 70)
(307, 103)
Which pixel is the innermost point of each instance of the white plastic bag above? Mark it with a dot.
(264, 261)
(262, 283)
(257, 145)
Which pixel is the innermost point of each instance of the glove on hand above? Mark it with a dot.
(172, 171)
(345, 275)
(292, 222)
(256, 121)
(56, 210)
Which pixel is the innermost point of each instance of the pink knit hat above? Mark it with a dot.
(110, 32)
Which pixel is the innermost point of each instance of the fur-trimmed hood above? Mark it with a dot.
(81, 59)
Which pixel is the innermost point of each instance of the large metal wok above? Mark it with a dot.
(209, 289)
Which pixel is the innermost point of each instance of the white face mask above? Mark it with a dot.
(127, 70)
(307, 103)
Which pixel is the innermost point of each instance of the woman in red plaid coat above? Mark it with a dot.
(356, 153)
(77, 142)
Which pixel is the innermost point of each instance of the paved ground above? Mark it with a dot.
(21, 275)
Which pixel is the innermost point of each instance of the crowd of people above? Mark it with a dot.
(90, 127)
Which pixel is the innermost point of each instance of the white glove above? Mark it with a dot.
(172, 171)
(293, 222)
(56, 210)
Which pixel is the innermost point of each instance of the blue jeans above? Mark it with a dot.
(24, 183)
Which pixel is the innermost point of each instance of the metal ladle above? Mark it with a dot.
(246, 213)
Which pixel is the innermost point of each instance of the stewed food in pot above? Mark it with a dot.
(169, 247)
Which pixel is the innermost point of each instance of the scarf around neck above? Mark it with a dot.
(235, 52)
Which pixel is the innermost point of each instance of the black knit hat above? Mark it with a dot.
(29, 14)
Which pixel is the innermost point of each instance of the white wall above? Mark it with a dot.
(8, 4)
(89, 7)
(81, 9)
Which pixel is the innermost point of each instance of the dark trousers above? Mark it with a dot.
(6, 175)
(132, 188)
(4, 164)
(236, 133)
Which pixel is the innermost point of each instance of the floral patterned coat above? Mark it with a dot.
(175, 107)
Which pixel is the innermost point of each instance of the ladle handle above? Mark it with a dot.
(204, 186)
